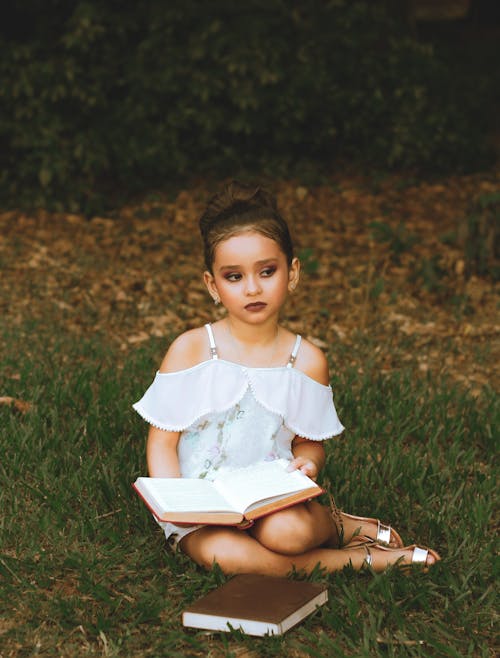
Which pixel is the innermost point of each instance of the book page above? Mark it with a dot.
(266, 480)
(184, 495)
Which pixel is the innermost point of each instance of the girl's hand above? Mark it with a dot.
(308, 456)
(304, 464)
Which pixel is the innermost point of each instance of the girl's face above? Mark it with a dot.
(251, 276)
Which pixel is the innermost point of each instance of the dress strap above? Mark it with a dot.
(211, 338)
(293, 355)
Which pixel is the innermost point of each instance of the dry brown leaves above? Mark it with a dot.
(139, 275)
(18, 405)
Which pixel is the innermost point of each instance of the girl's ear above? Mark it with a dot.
(293, 274)
(209, 280)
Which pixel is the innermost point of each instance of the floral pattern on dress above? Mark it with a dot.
(238, 437)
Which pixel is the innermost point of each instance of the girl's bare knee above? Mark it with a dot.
(290, 532)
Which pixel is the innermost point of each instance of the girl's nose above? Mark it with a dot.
(253, 286)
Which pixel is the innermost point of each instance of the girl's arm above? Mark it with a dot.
(161, 453)
(187, 350)
(309, 456)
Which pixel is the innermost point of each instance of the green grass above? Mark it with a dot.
(85, 571)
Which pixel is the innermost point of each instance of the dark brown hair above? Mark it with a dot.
(240, 207)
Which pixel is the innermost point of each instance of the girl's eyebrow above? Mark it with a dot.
(259, 263)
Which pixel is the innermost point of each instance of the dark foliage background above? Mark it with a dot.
(97, 98)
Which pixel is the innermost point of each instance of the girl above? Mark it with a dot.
(245, 389)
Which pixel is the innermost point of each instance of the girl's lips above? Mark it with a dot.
(256, 306)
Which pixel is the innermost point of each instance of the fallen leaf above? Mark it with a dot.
(138, 338)
(318, 342)
(19, 405)
(138, 275)
(301, 192)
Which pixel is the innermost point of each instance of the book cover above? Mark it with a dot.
(255, 604)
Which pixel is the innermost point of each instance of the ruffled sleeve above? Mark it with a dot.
(174, 401)
(306, 406)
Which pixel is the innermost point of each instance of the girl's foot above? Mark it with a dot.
(355, 528)
(379, 558)
(351, 529)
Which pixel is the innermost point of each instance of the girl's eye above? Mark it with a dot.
(233, 276)
(268, 271)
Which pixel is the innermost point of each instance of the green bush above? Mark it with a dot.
(99, 97)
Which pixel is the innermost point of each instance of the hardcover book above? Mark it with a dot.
(234, 498)
(256, 605)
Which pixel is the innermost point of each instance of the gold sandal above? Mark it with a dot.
(384, 532)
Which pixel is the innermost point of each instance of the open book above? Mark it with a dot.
(257, 605)
(235, 496)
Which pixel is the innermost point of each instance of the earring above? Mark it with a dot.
(216, 301)
(292, 287)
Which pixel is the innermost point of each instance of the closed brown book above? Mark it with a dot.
(256, 605)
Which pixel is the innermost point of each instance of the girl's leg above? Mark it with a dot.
(309, 525)
(297, 529)
(235, 551)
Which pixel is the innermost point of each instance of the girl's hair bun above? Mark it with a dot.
(240, 207)
(236, 199)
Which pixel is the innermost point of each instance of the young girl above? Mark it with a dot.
(245, 389)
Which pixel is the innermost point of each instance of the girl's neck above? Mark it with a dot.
(251, 335)
(252, 345)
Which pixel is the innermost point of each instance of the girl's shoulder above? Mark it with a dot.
(311, 360)
(187, 350)
(192, 348)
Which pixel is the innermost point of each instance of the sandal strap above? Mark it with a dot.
(368, 558)
(383, 533)
(337, 518)
(368, 561)
(419, 555)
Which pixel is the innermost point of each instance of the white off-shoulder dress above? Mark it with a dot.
(230, 416)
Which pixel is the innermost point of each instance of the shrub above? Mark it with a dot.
(99, 97)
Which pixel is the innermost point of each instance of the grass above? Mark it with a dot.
(85, 571)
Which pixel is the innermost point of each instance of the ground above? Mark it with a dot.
(381, 258)
(398, 277)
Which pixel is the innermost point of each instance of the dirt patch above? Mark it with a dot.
(383, 261)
